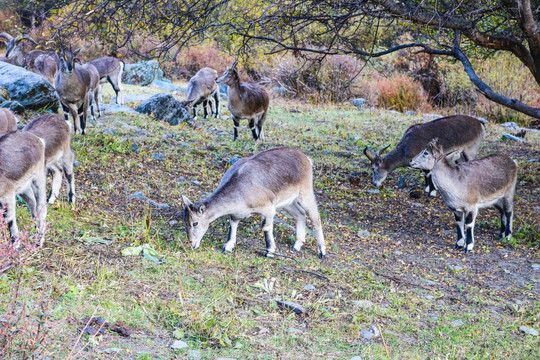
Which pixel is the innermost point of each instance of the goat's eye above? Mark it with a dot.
(195, 223)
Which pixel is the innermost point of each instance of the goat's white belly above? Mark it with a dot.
(55, 159)
(24, 183)
(286, 201)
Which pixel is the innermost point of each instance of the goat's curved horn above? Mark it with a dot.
(26, 37)
(6, 36)
(379, 152)
(369, 154)
(234, 64)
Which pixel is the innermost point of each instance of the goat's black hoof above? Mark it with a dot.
(225, 251)
(293, 249)
(322, 256)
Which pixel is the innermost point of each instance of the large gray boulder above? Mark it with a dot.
(29, 89)
(142, 73)
(165, 107)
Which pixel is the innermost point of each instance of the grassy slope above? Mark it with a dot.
(217, 300)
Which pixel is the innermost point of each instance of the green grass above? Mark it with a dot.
(218, 304)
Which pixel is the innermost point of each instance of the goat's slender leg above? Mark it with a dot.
(85, 114)
(30, 199)
(499, 206)
(205, 109)
(75, 115)
(231, 239)
(67, 166)
(309, 203)
(431, 189)
(236, 122)
(66, 111)
(268, 228)
(299, 215)
(10, 216)
(39, 187)
(97, 95)
(260, 124)
(460, 221)
(508, 214)
(253, 128)
(470, 219)
(216, 103)
(56, 183)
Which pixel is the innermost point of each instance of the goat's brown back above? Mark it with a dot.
(53, 129)
(19, 152)
(105, 65)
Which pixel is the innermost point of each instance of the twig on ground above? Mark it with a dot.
(384, 342)
(307, 271)
(403, 281)
(299, 264)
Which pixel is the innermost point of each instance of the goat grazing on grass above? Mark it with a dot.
(279, 178)
(472, 185)
(75, 87)
(203, 89)
(22, 172)
(58, 153)
(247, 100)
(110, 69)
(8, 121)
(460, 135)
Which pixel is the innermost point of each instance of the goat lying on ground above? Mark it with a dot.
(22, 172)
(110, 69)
(8, 121)
(472, 185)
(460, 135)
(58, 154)
(279, 178)
(203, 89)
(246, 101)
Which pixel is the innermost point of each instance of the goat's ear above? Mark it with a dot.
(186, 201)
(202, 209)
(369, 154)
(379, 152)
(75, 52)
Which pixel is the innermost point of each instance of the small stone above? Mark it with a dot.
(233, 160)
(194, 355)
(179, 344)
(135, 148)
(514, 138)
(137, 195)
(375, 331)
(309, 287)
(374, 191)
(410, 113)
(356, 358)
(140, 132)
(158, 156)
(173, 223)
(294, 331)
(510, 125)
(112, 350)
(170, 136)
(225, 117)
(533, 160)
(455, 267)
(363, 234)
(536, 267)
(360, 103)
(434, 318)
(401, 183)
(429, 297)
(397, 252)
(181, 180)
(299, 309)
(330, 295)
(76, 163)
(196, 183)
(366, 334)
(364, 304)
(109, 131)
(528, 330)
(417, 204)
(457, 323)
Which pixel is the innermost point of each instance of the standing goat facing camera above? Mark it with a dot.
(247, 100)
(472, 185)
(280, 178)
(203, 89)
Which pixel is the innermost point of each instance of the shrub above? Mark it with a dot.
(400, 92)
(193, 58)
(328, 80)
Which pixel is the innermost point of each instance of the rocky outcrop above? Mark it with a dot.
(27, 88)
(142, 73)
(165, 107)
